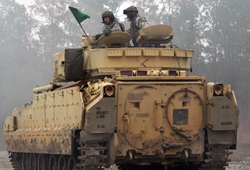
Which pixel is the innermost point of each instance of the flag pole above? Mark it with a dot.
(83, 30)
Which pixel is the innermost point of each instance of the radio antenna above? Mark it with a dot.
(170, 11)
(170, 16)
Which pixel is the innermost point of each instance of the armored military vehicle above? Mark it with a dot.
(136, 107)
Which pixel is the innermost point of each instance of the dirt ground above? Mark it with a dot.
(237, 165)
(4, 161)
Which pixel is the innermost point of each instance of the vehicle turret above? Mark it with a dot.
(112, 55)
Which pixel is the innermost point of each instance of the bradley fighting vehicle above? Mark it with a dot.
(136, 107)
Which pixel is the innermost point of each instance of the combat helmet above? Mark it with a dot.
(131, 12)
(108, 14)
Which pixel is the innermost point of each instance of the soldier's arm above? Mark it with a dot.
(115, 28)
(141, 22)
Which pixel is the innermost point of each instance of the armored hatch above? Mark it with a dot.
(155, 34)
(115, 38)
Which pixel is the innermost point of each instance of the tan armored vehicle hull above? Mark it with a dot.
(137, 108)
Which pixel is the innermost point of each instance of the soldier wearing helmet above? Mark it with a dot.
(111, 24)
(136, 22)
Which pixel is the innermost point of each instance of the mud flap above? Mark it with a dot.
(221, 137)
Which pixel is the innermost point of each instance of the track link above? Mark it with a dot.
(14, 162)
(92, 156)
(216, 157)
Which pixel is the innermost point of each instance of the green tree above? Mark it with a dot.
(17, 61)
(229, 47)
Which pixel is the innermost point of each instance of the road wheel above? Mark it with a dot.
(71, 163)
(25, 161)
(62, 163)
(32, 161)
(52, 162)
(41, 162)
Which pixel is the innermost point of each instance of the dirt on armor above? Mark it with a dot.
(239, 165)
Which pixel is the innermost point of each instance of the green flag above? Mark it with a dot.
(78, 14)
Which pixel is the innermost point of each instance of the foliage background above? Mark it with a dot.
(218, 31)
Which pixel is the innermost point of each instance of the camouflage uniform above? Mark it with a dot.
(136, 24)
(112, 26)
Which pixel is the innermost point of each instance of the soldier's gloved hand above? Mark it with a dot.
(106, 33)
(97, 36)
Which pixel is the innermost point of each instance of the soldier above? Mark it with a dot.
(136, 22)
(111, 24)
